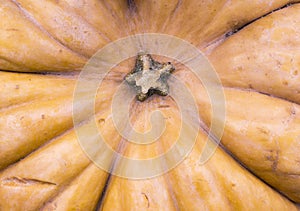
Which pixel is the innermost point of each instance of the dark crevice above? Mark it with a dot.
(147, 199)
(262, 93)
(49, 73)
(114, 162)
(121, 147)
(62, 187)
(103, 194)
(213, 138)
(28, 72)
(243, 165)
(222, 38)
(18, 181)
(131, 6)
(234, 31)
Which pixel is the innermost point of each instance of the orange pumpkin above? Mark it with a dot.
(254, 48)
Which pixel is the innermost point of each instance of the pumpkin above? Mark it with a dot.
(253, 47)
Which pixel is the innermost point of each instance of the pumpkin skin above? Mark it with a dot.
(43, 166)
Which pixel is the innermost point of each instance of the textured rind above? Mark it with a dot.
(42, 164)
(220, 183)
(63, 37)
(260, 130)
(18, 88)
(264, 56)
(25, 45)
(74, 197)
(200, 22)
(52, 165)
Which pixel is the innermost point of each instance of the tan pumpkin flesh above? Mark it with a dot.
(256, 53)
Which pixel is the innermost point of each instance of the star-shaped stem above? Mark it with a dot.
(149, 77)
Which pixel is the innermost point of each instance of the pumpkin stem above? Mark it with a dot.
(149, 77)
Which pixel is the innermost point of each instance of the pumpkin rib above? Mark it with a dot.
(21, 88)
(42, 168)
(225, 36)
(250, 69)
(43, 125)
(164, 196)
(113, 192)
(289, 4)
(259, 92)
(71, 196)
(30, 101)
(209, 21)
(33, 44)
(109, 197)
(61, 189)
(275, 172)
(236, 203)
(6, 64)
(172, 14)
(108, 133)
(208, 28)
(164, 9)
(44, 144)
(236, 27)
(72, 8)
(254, 135)
(18, 105)
(124, 148)
(49, 174)
(237, 19)
(118, 10)
(31, 18)
(208, 49)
